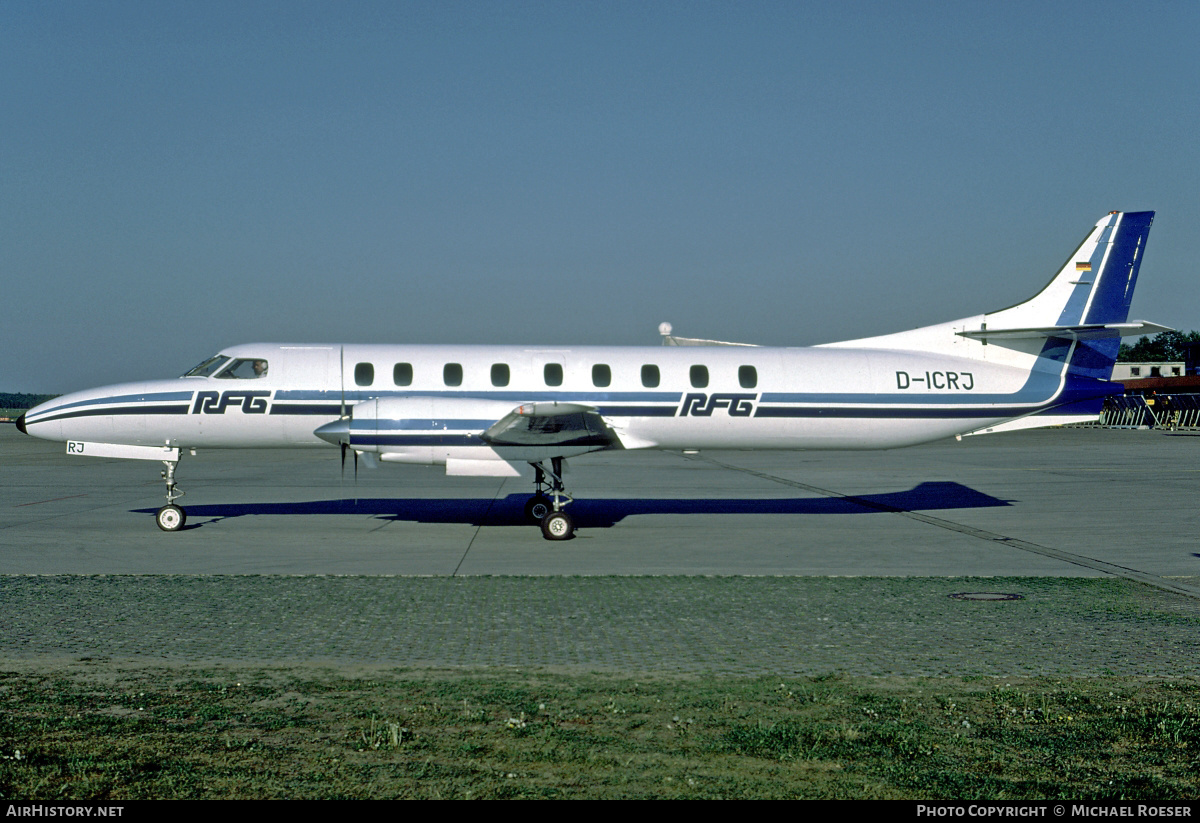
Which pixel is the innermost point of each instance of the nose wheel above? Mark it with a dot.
(170, 518)
(558, 526)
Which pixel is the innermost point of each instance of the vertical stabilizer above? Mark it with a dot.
(1077, 320)
(1094, 286)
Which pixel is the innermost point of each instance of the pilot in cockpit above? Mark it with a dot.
(243, 368)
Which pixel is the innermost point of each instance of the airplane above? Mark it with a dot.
(507, 411)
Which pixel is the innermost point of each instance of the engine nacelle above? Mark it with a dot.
(427, 430)
(470, 436)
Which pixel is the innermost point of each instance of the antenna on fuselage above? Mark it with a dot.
(669, 339)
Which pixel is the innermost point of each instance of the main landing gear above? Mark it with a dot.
(170, 518)
(546, 505)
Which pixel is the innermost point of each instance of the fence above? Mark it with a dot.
(1169, 411)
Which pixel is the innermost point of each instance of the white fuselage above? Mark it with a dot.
(653, 397)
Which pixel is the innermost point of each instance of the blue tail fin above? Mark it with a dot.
(1115, 262)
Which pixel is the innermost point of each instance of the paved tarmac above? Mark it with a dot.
(765, 562)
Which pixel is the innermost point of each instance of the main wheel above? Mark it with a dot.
(557, 526)
(171, 518)
(537, 507)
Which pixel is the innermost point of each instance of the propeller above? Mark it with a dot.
(346, 446)
(338, 431)
(343, 429)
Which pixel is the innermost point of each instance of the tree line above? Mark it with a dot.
(1163, 347)
(23, 401)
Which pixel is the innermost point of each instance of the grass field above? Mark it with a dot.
(104, 731)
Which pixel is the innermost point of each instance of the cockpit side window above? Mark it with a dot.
(245, 368)
(209, 366)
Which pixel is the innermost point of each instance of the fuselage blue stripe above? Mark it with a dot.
(306, 408)
(887, 412)
(372, 425)
(486, 394)
(358, 440)
(158, 397)
(117, 410)
(638, 411)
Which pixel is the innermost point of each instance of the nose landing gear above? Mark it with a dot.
(170, 518)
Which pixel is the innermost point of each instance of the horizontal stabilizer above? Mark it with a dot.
(1094, 331)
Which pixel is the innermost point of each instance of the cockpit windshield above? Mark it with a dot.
(209, 366)
(246, 368)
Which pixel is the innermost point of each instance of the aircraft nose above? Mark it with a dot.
(21, 424)
(336, 432)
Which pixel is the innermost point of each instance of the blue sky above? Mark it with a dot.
(177, 177)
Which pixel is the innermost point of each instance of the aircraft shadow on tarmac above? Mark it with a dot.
(603, 513)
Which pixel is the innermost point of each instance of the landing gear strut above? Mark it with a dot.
(550, 496)
(170, 518)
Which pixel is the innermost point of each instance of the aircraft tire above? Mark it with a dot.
(537, 507)
(558, 526)
(171, 518)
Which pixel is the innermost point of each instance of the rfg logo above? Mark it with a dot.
(211, 402)
(703, 405)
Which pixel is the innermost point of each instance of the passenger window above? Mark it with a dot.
(553, 374)
(650, 377)
(452, 374)
(747, 377)
(500, 374)
(402, 374)
(699, 375)
(601, 375)
(364, 374)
